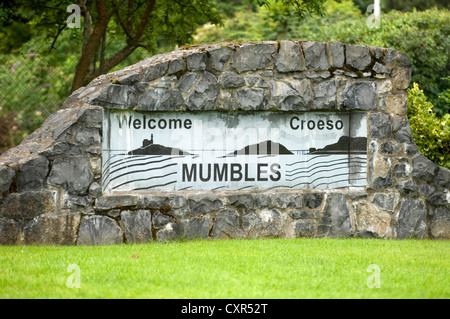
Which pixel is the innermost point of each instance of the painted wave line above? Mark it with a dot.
(314, 167)
(150, 187)
(313, 174)
(143, 179)
(329, 183)
(321, 156)
(139, 171)
(111, 172)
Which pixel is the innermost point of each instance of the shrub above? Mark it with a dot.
(431, 134)
(423, 36)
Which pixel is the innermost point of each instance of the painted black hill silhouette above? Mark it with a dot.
(148, 148)
(345, 144)
(262, 148)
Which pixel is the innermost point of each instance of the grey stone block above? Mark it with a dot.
(154, 71)
(358, 96)
(226, 224)
(335, 220)
(440, 223)
(251, 99)
(295, 95)
(176, 65)
(160, 100)
(229, 80)
(289, 200)
(404, 135)
(7, 175)
(423, 168)
(357, 56)
(386, 201)
(72, 175)
(160, 220)
(187, 81)
(197, 227)
(289, 58)
(205, 93)
(337, 54)
(325, 95)
(117, 96)
(244, 201)
(10, 230)
(203, 204)
(27, 204)
(99, 230)
(313, 200)
(252, 57)
(116, 201)
(196, 61)
(411, 219)
(52, 229)
(218, 57)
(380, 125)
(304, 228)
(137, 225)
(443, 177)
(315, 55)
(390, 148)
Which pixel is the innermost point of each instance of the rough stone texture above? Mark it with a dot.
(27, 205)
(51, 229)
(423, 168)
(71, 174)
(6, 176)
(99, 230)
(337, 54)
(32, 174)
(110, 202)
(371, 222)
(325, 95)
(250, 99)
(204, 94)
(251, 57)
(358, 95)
(289, 58)
(137, 226)
(227, 224)
(411, 219)
(379, 126)
(51, 184)
(304, 228)
(335, 220)
(357, 57)
(218, 57)
(9, 231)
(315, 55)
(229, 80)
(440, 223)
(262, 224)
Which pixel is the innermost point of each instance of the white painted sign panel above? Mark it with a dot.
(145, 151)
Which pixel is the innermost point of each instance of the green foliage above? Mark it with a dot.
(431, 134)
(423, 36)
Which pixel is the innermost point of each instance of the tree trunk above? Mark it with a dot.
(84, 64)
(84, 73)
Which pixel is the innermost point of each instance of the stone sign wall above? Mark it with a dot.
(56, 188)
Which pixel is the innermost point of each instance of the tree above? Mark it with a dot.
(148, 24)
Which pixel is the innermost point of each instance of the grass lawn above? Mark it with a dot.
(222, 269)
